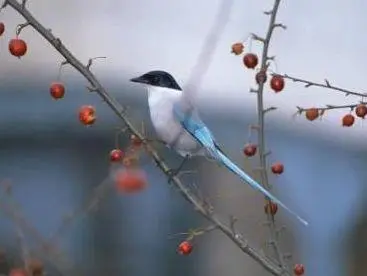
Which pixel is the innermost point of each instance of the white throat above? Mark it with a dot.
(157, 95)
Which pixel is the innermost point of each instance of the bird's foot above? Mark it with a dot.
(171, 173)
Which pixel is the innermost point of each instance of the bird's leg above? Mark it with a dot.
(174, 172)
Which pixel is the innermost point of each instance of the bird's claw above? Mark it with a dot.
(174, 172)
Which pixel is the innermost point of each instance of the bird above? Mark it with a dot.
(182, 130)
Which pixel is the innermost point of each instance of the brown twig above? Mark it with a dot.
(329, 107)
(92, 204)
(51, 252)
(120, 112)
(326, 85)
(261, 112)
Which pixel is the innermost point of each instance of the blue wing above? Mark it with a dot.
(204, 136)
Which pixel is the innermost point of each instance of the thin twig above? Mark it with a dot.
(330, 107)
(23, 246)
(54, 255)
(326, 85)
(120, 112)
(92, 204)
(90, 61)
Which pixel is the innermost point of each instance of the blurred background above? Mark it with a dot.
(54, 163)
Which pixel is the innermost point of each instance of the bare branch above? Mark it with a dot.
(258, 38)
(90, 61)
(96, 198)
(270, 109)
(279, 25)
(23, 246)
(324, 85)
(91, 89)
(54, 255)
(268, 12)
(65, 62)
(266, 154)
(330, 107)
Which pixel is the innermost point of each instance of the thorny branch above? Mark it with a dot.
(329, 107)
(91, 204)
(261, 129)
(326, 85)
(120, 112)
(11, 210)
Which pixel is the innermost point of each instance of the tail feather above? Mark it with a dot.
(203, 135)
(245, 177)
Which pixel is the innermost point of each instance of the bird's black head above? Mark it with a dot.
(158, 78)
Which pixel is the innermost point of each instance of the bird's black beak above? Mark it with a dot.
(139, 80)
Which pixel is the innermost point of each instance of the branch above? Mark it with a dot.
(90, 61)
(329, 107)
(23, 226)
(119, 111)
(92, 204)
(326, 85)
(23, 246)
(261, 131)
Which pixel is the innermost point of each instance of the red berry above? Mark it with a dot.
(116, 155)
(261, 77)
(277, 168)
(277, 83)
(271, 208)
(2, 28)
(250, 150)
(185, 248)
(18, 272)
(312, 114)
(299, 269)
(130, 180)
(17, 47)
(237, 48)
(348, 120)
(87, 115)
(250, 60)
(57, 90)
(361, 111)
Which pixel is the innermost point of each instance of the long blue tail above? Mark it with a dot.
(204, 136)
(246, 178)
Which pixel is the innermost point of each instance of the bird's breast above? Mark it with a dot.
(167, 127)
